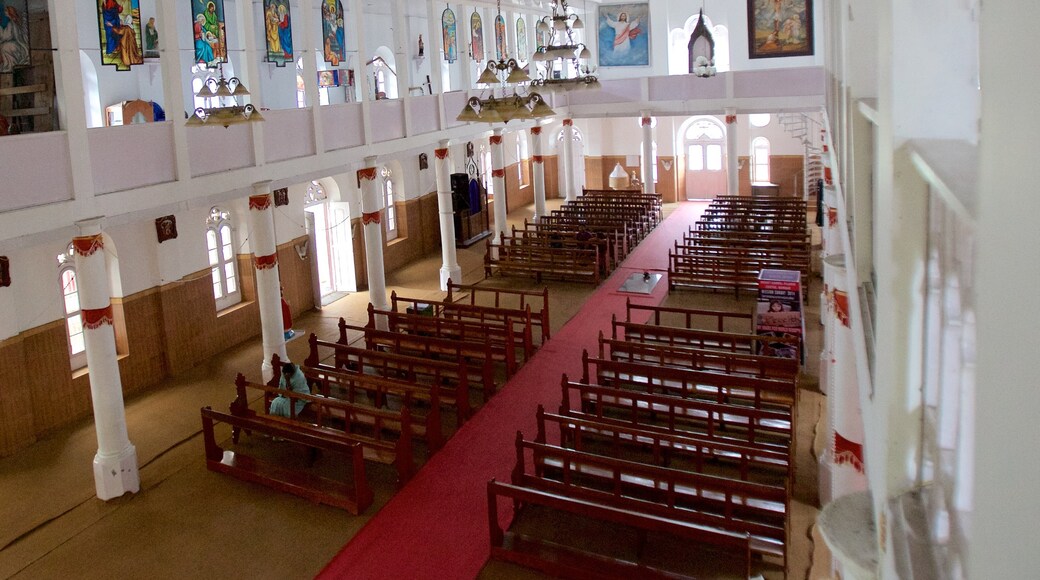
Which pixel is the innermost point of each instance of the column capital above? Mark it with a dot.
(444, 143)
(90, 226)
(498, 132)
(262, 187)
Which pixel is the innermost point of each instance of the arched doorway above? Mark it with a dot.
(329, 226)
(703, 142)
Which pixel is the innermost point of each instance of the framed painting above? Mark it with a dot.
(522, 53)
(333, 34)
(500, 38)
(450, 36)
(14, 35)
(119, 29)
(278, 32)
(476, 42)
(779, 28)
(209, 32)
(623, 31)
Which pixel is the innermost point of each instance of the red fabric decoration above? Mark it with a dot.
(841, 308)
(832, 216)
(94, 318)
(259, 202)
(730, 119)
(366, 174)
(498, 173)
(536, 130)
(441, 153)
(496, 139)
(538, 159)
(286, 316)
(265, 262)
(646, 121)
(370, 218)
(847, 452)
(568, 122)
(86, 245)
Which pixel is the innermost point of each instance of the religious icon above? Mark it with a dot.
(209, 32)
(521, 39)
(14, 35)
(422, 47)
(332, 30)
(119, 27)
(166, 228)
(500, 38)
(151, 39)
(278, 32)
(476, 43)
(450, 38)
(623, 35)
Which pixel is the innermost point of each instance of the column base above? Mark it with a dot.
(116, 474)
(450, 273)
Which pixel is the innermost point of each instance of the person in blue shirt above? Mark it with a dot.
(293, 380)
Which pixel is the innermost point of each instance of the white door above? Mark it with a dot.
(705, 142)
(577, 162)
(334, 248)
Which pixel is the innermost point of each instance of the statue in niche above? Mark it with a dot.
(422, 47)
(151, 39)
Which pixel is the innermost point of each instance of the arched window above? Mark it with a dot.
(485, 171)
(521, 154)
(315, 193)
(759, 119)
(223, 268)
(301, 86)
(391, 209)
(760, 159)
(73, 315)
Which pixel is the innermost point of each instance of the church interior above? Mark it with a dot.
(394, 196)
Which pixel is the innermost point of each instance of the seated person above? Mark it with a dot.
(292, 379)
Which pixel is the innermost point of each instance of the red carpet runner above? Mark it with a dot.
(436, 527)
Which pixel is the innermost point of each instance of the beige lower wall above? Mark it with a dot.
(162, 332)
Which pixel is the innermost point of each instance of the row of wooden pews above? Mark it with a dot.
(386, 395)
(685, 444)
(584, 240)
(738, 237)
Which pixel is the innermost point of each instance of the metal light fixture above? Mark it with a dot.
(563, 57)
(227, 115)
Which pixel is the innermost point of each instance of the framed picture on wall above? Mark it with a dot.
(779, 28)
(624, 34)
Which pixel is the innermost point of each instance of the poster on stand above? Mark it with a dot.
(779, 313)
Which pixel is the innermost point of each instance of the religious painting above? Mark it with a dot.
(278, 32)
(521, 40)
(281, 196)
(424, 162)
(623, 31)
(476, 42)
(209, 32)
(500, 38)
(332, 31)
(451, 50)
(779, 28)
(166, 228)
(151, 39)
(14, 35)
(119, 27)
(5, 271)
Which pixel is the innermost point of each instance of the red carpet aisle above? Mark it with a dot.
(436, 527)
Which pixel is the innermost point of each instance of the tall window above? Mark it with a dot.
(73, 315)
(391, 209)
(301, 86)
(223, 269)
(521, 154)
(760, 159)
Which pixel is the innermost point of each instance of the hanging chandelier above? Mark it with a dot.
(513, 103)
(224, 115)
(565, 60)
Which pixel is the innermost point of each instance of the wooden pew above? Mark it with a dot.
(486, 315)
(501, 340)
(726, 504)
(353, 494)
(720, 320)
(665, 448)
(566, 240)
(619, 238)
(738, 270)
(480, 362)
(539, 261)
(559, 560)
(356, 423)
(742, 425)
(757, 392)
(703, 339)
(699, 359)
(451, 378)
(536, 302)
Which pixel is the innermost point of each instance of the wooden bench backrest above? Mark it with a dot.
(535, 301)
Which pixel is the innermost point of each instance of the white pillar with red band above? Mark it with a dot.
(538, 173)
(647, 162)
(498, 176)
(450, 269)
(732, 160)
(268, 281)
(843, 471)
(115, 464)
(831, 233)
(567, 188)
(371, 204)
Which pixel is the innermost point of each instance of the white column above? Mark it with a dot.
(647, 162)
(357, 10)
(498, 175)
(402, 53)
(567, 159)
(435, 46)
(538, 173)
(843, 469)
(449, 262)
(268, 282)
(115, 464)
(371, 204)
(831, 231)
(732, 159)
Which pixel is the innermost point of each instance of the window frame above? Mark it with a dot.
(392, 226)
(218, 220)
(77, 360)
(760, 163)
